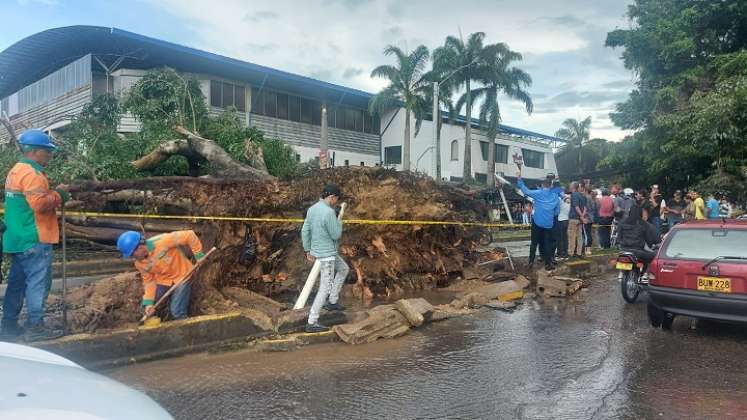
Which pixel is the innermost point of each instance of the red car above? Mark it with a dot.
(700, 271)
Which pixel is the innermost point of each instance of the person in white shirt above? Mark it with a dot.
(565, 209)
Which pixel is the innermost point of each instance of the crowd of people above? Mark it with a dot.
(568, 222)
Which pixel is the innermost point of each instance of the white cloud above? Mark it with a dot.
(335, 39)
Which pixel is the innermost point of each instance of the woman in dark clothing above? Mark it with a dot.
(635, 233)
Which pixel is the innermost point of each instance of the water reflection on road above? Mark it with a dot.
(590, 356)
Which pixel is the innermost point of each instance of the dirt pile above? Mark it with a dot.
(384, 258)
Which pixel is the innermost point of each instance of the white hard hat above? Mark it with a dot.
(628, 191)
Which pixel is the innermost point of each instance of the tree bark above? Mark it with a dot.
(223, 164)
(406, 145)
(197, 150)
(254, 155)
(162, 153)
(491, 161)
(467, 173)
(152, 183)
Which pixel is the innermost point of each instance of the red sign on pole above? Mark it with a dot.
(323, 159)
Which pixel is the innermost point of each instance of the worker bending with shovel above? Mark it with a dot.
(163, 262)
(320, 235)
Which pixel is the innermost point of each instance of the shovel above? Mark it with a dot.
(187, 277)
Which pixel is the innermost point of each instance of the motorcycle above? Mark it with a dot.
(631, 275)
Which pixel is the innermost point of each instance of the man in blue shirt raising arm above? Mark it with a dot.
(546, 208)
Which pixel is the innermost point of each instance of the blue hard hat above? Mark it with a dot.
(36, 139)
(128, 242)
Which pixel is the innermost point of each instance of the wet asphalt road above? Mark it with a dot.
(590, 356)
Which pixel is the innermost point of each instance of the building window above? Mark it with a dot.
(294, 108)
(481, 178)
(224, 95)
(298, 157)
(455, 150)
(240, 99)
(363, 164)
(258, 102)
(330, 117)
(216, 93)
(316, 112)
(282, 106)
(393, 155)
(306, 105)
(347, 162)
(228, 95)
(500, 152)
(533, 159)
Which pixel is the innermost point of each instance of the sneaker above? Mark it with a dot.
(316, 328)
(10, 333)
(333, 307)
(40, 333)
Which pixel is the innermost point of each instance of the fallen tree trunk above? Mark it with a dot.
(221, 161)
(198, 150)
(163, 152)
(152, 183)
(127, 224)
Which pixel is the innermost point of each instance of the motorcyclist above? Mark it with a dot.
(634, 234)
(623, 204)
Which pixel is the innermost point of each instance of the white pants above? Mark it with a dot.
(332, 277)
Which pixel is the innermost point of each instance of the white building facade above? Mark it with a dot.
(537, 153)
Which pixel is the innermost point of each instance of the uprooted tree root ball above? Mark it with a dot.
(384, 258)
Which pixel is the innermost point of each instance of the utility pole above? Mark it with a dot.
(324, 141)
(436, 165)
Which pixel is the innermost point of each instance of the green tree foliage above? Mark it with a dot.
(576, 133)
(90, 148)
(498, 77)
(689, 101)
(163, 99)
(593, 152)
(226, 130)
(408, 85)
(461, 58)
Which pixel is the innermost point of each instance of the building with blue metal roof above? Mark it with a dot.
(48, 77)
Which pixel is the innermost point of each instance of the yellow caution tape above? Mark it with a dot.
(284, 220)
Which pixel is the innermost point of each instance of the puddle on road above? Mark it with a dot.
(587, 357)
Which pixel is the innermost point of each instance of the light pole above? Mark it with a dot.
(436, 165)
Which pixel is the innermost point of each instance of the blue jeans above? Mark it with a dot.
(656, 221)
(179, 300)
(30, 276)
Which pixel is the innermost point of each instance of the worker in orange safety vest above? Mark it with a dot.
(31, 231)
(163, 261)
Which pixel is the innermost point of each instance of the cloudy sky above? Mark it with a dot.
(340, 41)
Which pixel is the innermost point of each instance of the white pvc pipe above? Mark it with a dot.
(306, 291)
(314, 274)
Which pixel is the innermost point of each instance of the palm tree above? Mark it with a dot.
(461, 58)
(497, 76)
(445, 94)
(577, 134)
(407, 85)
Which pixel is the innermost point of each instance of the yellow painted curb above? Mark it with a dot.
(511, 296)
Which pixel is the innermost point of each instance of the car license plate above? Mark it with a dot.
(624, 266)
(714, 284)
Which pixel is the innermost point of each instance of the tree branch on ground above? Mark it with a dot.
(198, 149)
